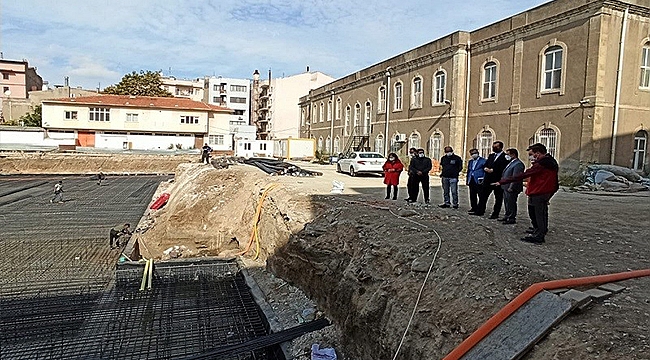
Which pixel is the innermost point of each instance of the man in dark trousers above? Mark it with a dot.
(451, 165)
(543, 183)
(205, 154)
(419, 169)
(494, 167)
(511, 190)
(475, 177)
(411, 182)
(118, 231)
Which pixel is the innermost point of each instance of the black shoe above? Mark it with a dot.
(387, 198)
(533, 239)
(471, 211)
(494, 216)
(509, 222)
(409, 201)
(444, 206)
(395, 198)
(455, 206)
(504, 219)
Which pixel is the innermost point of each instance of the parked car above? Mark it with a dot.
(362, 162)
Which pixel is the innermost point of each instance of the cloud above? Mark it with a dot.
(100, 40)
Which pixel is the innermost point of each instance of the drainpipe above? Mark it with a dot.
(331, 116)
(386, 136)
(467, 85)
(619, 76)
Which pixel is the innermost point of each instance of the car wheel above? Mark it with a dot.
(338, 168)
(352, 172)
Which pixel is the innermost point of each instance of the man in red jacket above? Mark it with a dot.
(542, 185)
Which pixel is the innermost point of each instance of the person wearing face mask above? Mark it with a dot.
(419, 170)
(494, 166)
(511, 190)
(451, 165)
(475, 176)
(411, 183)
(392, 170)
(543, 183)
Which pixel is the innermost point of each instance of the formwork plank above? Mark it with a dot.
(523, 329)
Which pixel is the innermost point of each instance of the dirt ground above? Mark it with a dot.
(362, 266)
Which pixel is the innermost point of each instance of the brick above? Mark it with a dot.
(611, 287)
(598, 293)
(578, 298)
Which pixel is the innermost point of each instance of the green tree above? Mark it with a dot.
(145, 83)
(33, 118)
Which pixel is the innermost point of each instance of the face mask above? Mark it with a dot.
(421, 154)
(531, 158)
(508, 157)
(449, 153)
(391, 158)
(411, 154)
(474, 156)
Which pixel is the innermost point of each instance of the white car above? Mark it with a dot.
(362, 162)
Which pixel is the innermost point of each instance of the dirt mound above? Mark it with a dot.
(23, 163)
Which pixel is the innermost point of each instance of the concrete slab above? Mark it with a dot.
(613, 288)
(598, 294)
(578, 298)
(523, 329)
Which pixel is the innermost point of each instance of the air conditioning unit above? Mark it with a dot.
(400, 138)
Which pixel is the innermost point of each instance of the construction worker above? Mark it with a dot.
(100, 177)
(117, 232)
(205, 154)
(58, 193)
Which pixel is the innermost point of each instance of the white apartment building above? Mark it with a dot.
(275, 99)
(138, 122)
(184, 88)
(233, 94)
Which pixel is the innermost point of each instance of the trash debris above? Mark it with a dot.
(175, 252)
(322, 354)
(337, 187)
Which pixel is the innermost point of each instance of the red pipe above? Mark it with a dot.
(528, 294)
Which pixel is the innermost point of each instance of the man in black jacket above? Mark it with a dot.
(412, 181)
(419, 170)
(494, 167)
(451, 165)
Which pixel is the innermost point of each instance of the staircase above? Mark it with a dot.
(358, 141)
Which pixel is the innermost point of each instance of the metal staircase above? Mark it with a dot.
(359, 140)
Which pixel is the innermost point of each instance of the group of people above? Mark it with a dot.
(501, 174)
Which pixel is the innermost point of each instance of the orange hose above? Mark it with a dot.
(528, 294)
(254, 238)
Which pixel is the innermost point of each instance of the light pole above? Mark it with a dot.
(386, 136)
(331, 117)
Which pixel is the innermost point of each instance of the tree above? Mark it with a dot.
(145, 83)
(33, 118)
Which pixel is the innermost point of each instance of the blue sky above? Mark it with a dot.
(98, 41)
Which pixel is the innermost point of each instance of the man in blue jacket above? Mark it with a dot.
(475, 176)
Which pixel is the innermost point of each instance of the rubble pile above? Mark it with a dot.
(614, 178)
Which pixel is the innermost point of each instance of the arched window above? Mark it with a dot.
(548, 137)
(337, 145)
(338, 109)
(357, 116)
(381, 99)
(379, 144)
(346, 128)
(485, 140)
(645, 66)
(328, 142)
(416, 93)
(313, 114)
(398, 96)
(367, 119)
(490, 81)
(302, 117)
(640, 150)
(552, 65)
(320, 143)
(414, 141)
(439, 83)
(329, 110)
(320, 114)
(435, 145)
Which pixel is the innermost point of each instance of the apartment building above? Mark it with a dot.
(17, 79)
(185, 88)
(274, 101)
(137, 122)
(574, 75)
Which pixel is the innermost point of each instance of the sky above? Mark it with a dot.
(96, 42)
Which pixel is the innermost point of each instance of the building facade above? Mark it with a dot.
(17, 80)
(137, 122)
(572, 75)
(184, 88)
(274, 102)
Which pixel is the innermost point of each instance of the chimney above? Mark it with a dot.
(256, 75)
(307, 68)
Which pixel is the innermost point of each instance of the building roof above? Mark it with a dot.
(140, 102)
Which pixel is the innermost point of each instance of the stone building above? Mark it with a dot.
(574, 75)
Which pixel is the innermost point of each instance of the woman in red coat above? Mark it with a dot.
(392, 169)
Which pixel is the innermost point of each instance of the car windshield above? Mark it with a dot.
(371, 156)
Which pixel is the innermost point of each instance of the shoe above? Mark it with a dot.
(504, 219)
(409, 201)
(494, 216)
(471, 211)
(509, 222)
(444, 206)
(455, 206)
(533, 239)
(387, 198)
(395, 198)
(426, 201)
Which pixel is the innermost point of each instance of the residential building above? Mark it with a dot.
(17, 79)
(274, 102)
(574, 75)
(138, 122)
(233, 94)
(184, 88)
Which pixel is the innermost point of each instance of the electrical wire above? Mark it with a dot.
(254, 238)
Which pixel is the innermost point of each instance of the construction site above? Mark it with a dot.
(227, 261)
